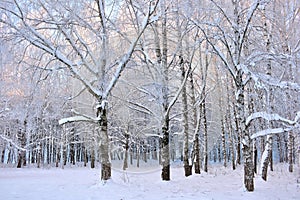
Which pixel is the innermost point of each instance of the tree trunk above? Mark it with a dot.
(39, 155)
(254, 156)
(238, 135)
(247, 151)
(131, 155)
(197, 154)
(266, 157)
(104, 141)
(231, 142)
(290, 151)
(228, 121)
(219, 151)
(165, 152)
(187, 168)
(57, 156)
(125, 164)
(138, 150)
(93, 157)
(72, 154)
(196, 150)
(22, 153)
(279, 147)
(223, 143)
(205, 149)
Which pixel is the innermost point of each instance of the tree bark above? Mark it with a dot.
(104, 140)
(165, 152)
(290, 151)
(125, 164)
(247, 150)
(266, 157)
(205, 133)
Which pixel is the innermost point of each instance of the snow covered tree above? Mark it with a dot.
(77, 36)
(236, 25)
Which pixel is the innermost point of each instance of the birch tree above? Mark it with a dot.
(237, 27)
(77, 36)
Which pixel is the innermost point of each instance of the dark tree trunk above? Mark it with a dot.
(57, 157)
(165, 152)
(205, 133)
(72, 154)
(19, 165)
(92, 158)
(290, 151)
(125, 164)
(254, 156)
(197, 154)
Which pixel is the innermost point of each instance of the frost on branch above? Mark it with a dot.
(269, 131)
(273, 117)
(11, 142)
(75, 119)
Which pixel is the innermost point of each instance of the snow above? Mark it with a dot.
(143, 183)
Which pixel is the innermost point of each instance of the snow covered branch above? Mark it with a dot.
(12, 143)
(269, 131)
(263, 80)
(125, 59)
(272, 117)
(178, 93)
(76, 119)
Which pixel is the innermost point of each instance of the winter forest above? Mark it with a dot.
(186, 85)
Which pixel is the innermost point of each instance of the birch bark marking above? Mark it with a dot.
(104, 141)
(196, 118)
(165, 124)
(267, 153)
(203, 109)
(247, 154)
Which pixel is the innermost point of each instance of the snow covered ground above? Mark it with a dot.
(78, 183)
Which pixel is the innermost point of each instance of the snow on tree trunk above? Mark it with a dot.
(266, 157)
(196, 127)
(197, 154)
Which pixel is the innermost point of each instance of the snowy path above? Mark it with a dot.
(82, 184)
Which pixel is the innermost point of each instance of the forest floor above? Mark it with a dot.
(79, 183)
